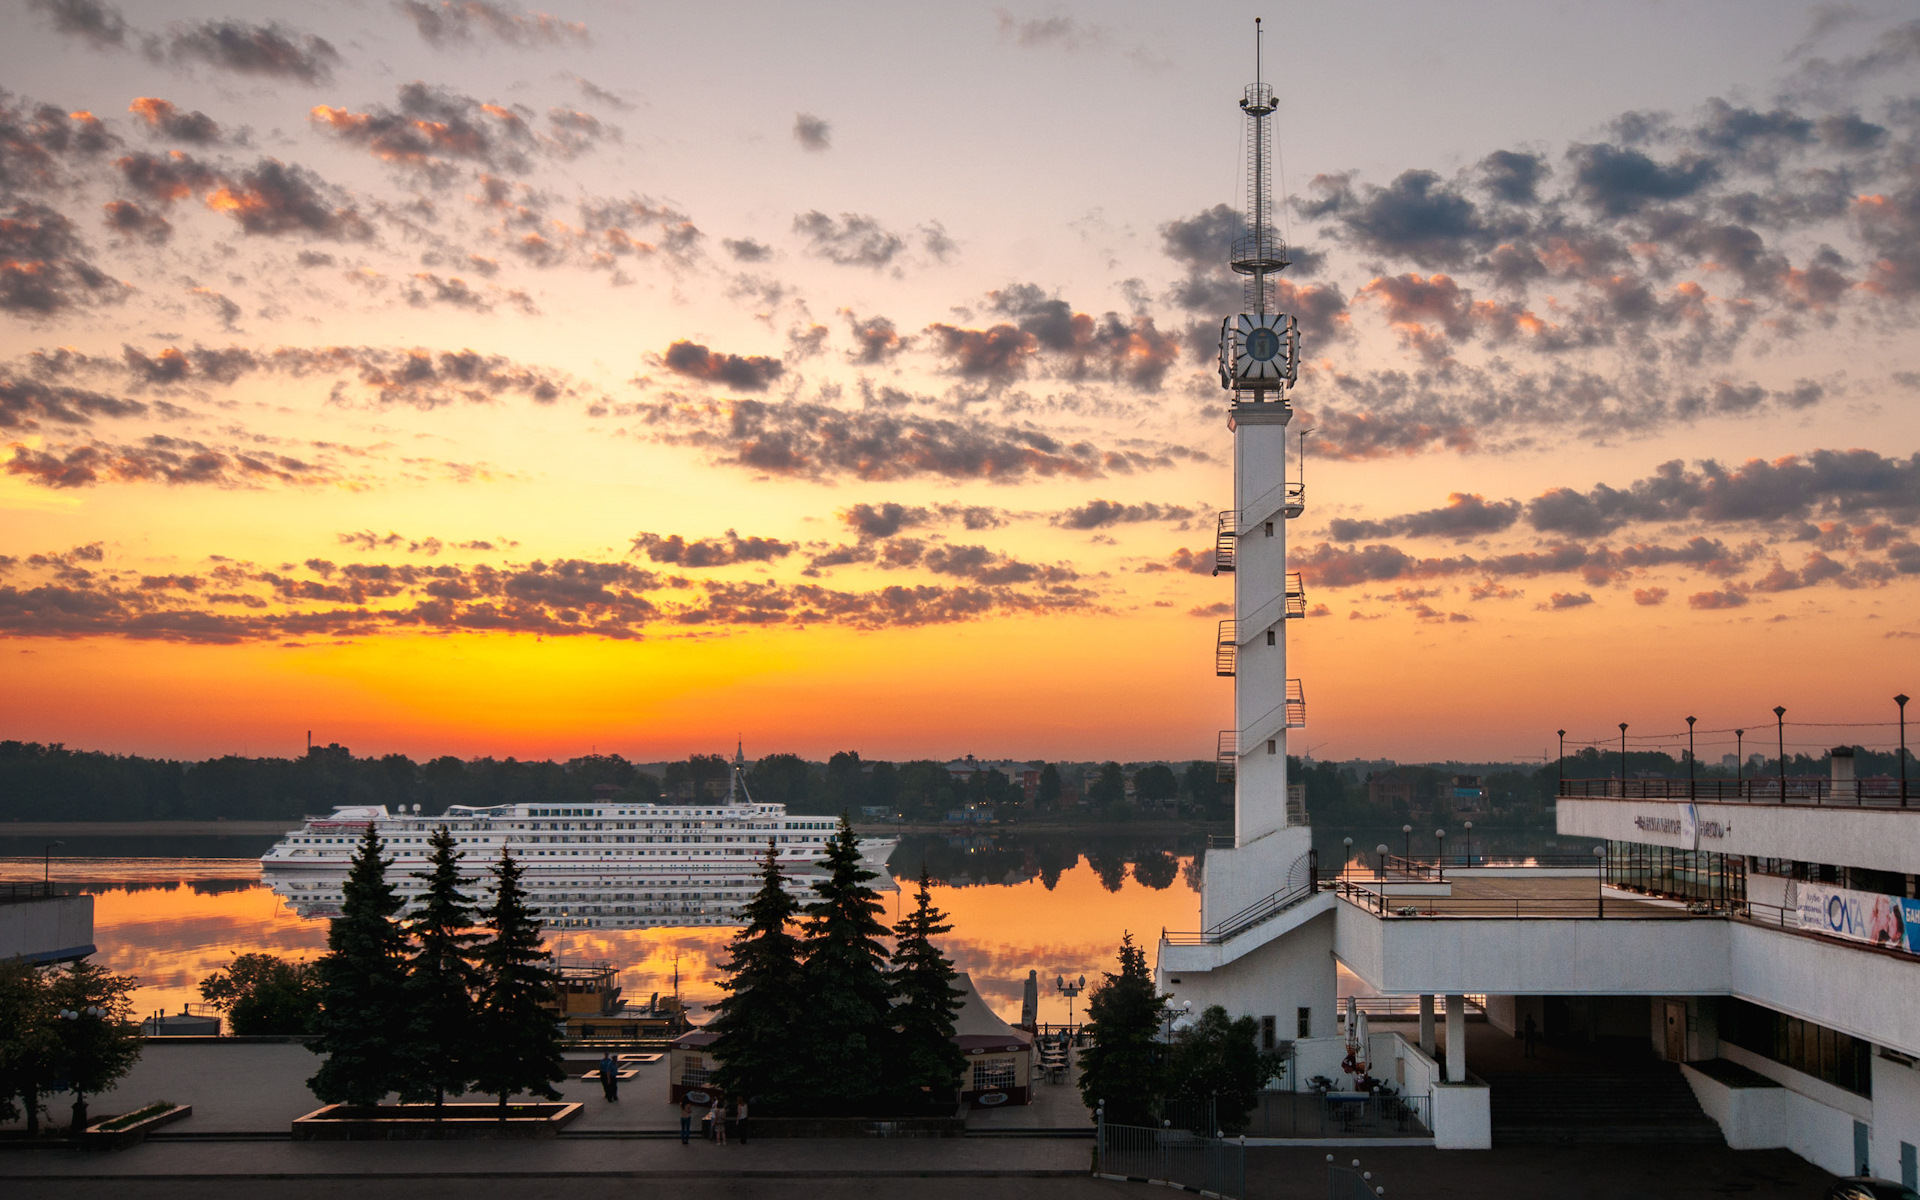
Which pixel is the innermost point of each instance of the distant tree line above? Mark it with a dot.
(40, 782)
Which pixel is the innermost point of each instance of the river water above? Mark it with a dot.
(170, 910)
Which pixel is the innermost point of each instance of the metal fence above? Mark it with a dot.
(1766, 789)
(1348, 1183)
(1211, 1166)
(1317, 1115)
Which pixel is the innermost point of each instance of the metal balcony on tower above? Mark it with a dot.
(1296, 596)
(1226, 649)
(1296, 705)
(1226, 757)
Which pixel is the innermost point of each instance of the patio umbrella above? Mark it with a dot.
(1360, 1037)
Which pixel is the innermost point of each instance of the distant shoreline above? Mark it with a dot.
(264, 828)
(144, 828)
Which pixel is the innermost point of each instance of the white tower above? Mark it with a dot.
(1259, 362)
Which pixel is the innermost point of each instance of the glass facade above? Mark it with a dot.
(1701, 876)
(1838, 1058)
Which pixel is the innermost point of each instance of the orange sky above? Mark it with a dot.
(521, 388)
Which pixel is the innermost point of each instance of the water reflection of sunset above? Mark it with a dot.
(171, 937)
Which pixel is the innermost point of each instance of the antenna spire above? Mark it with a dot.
(1256, 49)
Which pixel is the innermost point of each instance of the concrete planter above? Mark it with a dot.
(422, 1122)
(96, 1138)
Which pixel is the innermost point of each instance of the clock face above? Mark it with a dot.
(1262, 344)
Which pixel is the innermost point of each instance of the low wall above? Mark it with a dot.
(53, 929)
(1462, 1116)
(1772, 1117)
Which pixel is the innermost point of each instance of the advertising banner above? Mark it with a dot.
(1857, 916)
(1910, 910)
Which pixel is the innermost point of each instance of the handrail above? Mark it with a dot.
(1874, 792)
(1257, 913)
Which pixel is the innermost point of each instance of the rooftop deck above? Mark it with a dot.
(1809, 790)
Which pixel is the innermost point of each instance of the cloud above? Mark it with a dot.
(25, 403)
(1418, 217)
(710, 552)
(272, 50)
(68, 595)
(1331, 566)
(875, 339)
(129, 220)
(695, 361)
(444, 23)
(1561, 601)
(1222, 608)
(100, 25)
(1098, 514)
(854, 240)
(1129, 350)
(1650, 596)
(1794, 488)
(433, 128)
(997, 355)
(747, 250)
(887, 519)
(808, 440)
(44, 266)
(1054, 33)
(812, 133)
(224, 309)
(273, 198)
(158, 459)
(166, 120)
(40, 144)
(1716, 600)
(1464, 516)
(600, 95)
(1618, 182)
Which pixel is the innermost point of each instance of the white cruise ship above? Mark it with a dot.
(592, 865)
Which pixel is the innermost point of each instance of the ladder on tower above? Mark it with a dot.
(1226, 649)
(1224, 533)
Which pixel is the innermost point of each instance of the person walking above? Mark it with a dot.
(610, 1076)
(742, 1127)
(1527, 1034)
(719, 1117)
(686, 1122)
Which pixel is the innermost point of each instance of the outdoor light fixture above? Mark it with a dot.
(1381, 850)
(1739, 760)
(1690, 721)
(1623, 759)
(1780, 726)
(1901, 700)
(1406, 832)
(1600, 891)
(1469, 843)
(46, 863)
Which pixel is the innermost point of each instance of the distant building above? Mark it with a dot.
(1469, 794)
(1391, 788)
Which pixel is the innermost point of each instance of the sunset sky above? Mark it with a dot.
(444, 376)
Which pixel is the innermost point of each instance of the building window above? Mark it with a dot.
(1269, 528)
(1838, 1058)
(1270, 745)
(1304, 1023)
(1270, 637)
(1268, 1032)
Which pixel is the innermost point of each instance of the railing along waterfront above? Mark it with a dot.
(1847, 793)
(1254, 914)
(1211, 1166)
(1448, 908)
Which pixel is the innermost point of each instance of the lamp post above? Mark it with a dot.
(1440, 850)
(1381, 850)
(1739, 762)
(1562, 764)
(1069, 989)
(1469, 844)
(1690, 721)
(46, 865)
(1406, 833)
(1600, 892)
(79, 1098)
(1623, 759)
(1348, 843)
(1901, 700)
(1780, 727)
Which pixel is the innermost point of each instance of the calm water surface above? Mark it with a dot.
(171, 910)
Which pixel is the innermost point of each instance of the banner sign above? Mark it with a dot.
(1859, 916)
(1667, 825)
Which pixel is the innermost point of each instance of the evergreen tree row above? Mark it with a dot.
(820, 1016)
(446, 1001)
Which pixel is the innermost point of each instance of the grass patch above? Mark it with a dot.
(135, 1117)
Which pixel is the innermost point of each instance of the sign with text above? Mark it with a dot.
(1666, 825)
(1857, 916)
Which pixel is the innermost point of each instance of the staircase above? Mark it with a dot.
(1640, 1102)
(1224, 532)
(1225, 649)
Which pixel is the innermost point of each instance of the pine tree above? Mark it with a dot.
(844, 1045)
(925, 1059)
(763, 1010)
(1125, 1065)
(441, 982)
(363, 1020)
(517, 1039)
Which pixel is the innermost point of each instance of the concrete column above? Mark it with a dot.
(1456, 1039)
(1426, 1025)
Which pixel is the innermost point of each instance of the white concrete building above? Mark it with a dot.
(1745, 952)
